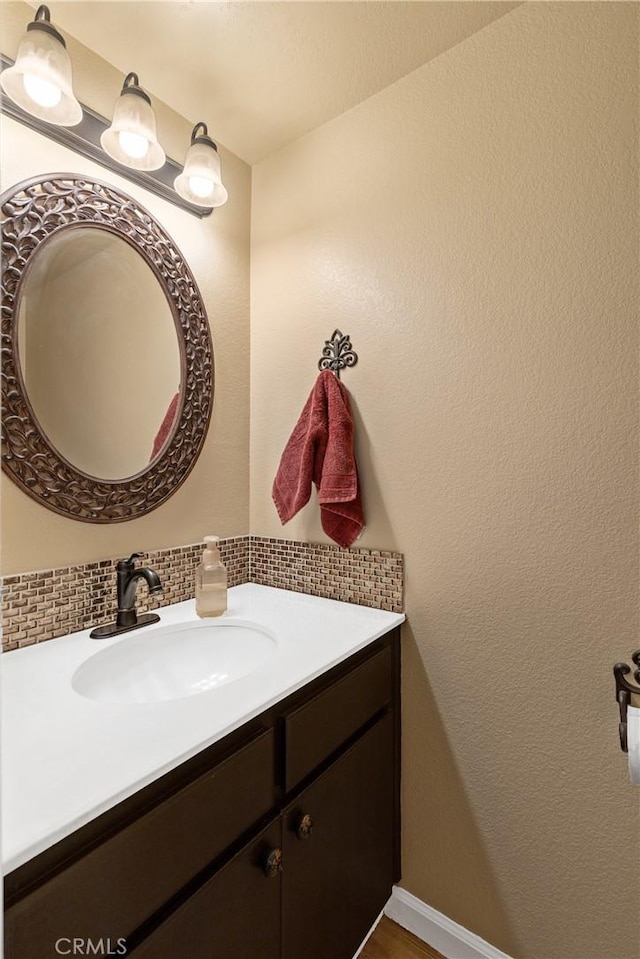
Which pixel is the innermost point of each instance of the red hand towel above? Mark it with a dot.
(320, 450)
(165, 427)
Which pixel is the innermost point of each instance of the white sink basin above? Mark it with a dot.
(173, 662)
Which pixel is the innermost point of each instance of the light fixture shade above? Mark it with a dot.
(40, 79)
(201, 182)
(132, 139)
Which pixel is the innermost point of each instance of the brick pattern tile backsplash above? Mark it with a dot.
(368, 577)
(54, 602)
(42, 605)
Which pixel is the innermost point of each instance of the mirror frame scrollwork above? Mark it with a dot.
(33, 211)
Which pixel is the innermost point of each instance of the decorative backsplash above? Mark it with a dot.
(42, 605)
(54, 602)
(368, 577)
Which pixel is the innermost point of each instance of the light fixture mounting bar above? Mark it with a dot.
(85, 140)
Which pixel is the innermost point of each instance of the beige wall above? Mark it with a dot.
(474, 228)
(215, 496)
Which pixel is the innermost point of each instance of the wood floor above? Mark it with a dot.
(391, 941)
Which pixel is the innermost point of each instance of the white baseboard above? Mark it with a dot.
(438, 931)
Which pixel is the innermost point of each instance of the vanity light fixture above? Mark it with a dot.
(40, 79)
(131, 139)
(40, 95)
(201, 182)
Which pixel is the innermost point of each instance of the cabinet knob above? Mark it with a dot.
(272, 864)
(304, 826)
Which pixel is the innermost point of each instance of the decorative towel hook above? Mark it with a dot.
(624, 691)
(337, 353)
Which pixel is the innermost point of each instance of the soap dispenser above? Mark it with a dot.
(211, 581)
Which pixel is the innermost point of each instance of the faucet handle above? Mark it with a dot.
(128, 563)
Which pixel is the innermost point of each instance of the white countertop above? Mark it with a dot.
(66, 759)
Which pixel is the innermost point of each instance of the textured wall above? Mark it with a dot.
(215, 496)
(473, 227)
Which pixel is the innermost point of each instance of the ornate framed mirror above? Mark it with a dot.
(107, 361)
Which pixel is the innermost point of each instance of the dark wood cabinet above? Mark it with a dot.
(336, 879)
(279, 842)
(113, 886)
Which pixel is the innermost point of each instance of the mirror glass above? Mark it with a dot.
(99, 353)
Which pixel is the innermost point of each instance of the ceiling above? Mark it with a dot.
(263, 73)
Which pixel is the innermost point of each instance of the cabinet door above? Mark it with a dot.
(338, 876)
(235, 915)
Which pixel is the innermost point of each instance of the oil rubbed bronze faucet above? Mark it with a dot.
(127, 580)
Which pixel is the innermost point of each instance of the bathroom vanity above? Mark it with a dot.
(273, 835)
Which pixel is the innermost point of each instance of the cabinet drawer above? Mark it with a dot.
(118, 884)
(314, 730)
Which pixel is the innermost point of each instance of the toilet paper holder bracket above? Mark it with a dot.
(624, 691)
